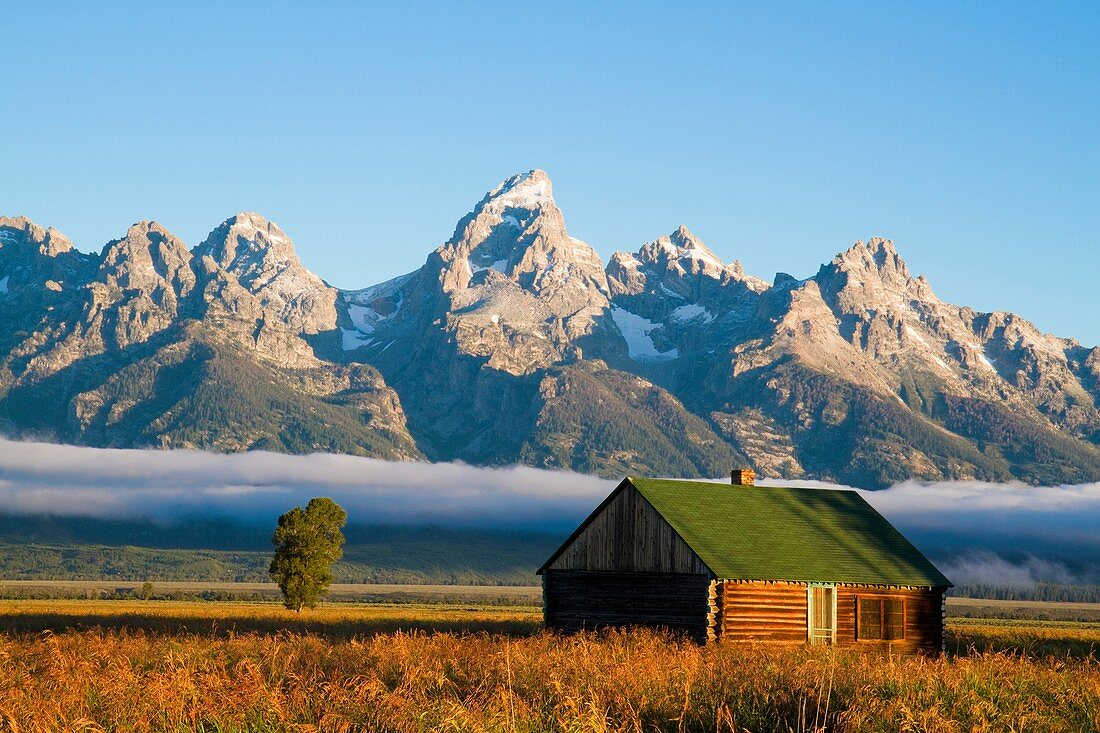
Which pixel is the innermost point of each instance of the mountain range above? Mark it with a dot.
(515, 342)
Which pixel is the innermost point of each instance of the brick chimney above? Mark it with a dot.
(743, 477)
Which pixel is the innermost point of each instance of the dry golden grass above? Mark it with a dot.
(352, 672)
(1030, 638)
(342, 620)
(87, 589)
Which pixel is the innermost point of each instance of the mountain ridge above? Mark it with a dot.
(515, 342)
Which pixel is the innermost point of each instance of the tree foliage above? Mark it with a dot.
(307, 543)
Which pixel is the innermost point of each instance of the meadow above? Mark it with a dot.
(403, 667)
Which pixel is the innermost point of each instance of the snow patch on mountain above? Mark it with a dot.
(383, 289)
(363, 305)
(689, 252)
(637, 333)
(352, 339)
(524, 191)
(670, 293)
(692, 311)
(500, 266)
(363, 317)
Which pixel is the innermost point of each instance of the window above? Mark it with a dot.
(881, 618)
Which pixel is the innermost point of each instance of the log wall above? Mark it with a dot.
(579, 600)
(778, 612)
(923, 619)
(763, 611)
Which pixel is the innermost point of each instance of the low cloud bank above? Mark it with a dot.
(43, 478)
(983, 567)
(996, 534)
(985, 532)
(1061, 521)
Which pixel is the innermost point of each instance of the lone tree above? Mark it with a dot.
(307, 543)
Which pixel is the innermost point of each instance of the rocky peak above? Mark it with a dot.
(48, 241)
(141, 286)
(678, 265)
(247, 242)
(149, 258)
(875, 259)
(871, 275)
(261, 257)
(511, 286)
(38, 262)
(676, 298)
(684, 253)
(529, 191)
(518, 232)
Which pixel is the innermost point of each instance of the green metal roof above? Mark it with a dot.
(801, 535)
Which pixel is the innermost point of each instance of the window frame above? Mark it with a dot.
(883, 626)
(832, 602)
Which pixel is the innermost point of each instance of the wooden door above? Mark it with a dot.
(821, 616)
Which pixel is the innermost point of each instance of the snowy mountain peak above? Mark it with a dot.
(509, 217)
(517, 233)
(512, 254)
(685, 254)
(683, 237)
(530, 190)
(250, 220)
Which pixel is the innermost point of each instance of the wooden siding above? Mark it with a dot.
(923, 618)
(578, 600)
(629, 535)
(763, 611)
(626, 566)
(777, 612)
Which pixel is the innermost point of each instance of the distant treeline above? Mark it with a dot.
(152, 592)
(1036, 592)
(131, 594)
(431, 560)
(219, 550)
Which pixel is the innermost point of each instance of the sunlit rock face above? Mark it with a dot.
(261, 257)
(515, 342)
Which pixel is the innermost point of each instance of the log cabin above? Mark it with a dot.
(740, 562)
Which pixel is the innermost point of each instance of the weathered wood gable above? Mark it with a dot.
(627, 534)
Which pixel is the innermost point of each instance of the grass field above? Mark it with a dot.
(499, 595)
(205, 666)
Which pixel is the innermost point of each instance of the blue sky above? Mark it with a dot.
(969, 133)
